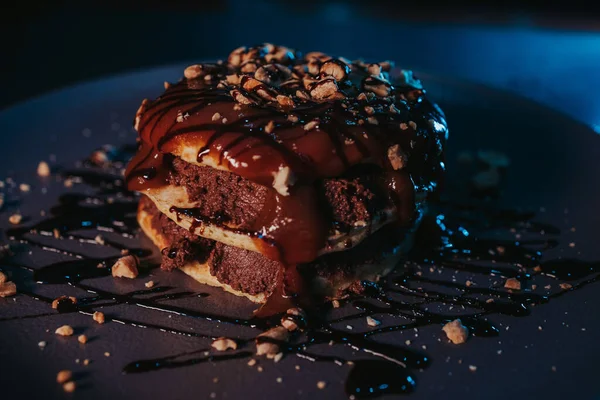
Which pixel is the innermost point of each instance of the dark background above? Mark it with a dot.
(548, 51)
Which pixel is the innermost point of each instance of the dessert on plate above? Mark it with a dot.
(277, 174)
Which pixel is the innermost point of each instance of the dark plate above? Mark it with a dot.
(551, 353)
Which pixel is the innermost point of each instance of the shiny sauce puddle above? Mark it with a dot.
(445, 242)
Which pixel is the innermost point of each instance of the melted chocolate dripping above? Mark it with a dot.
(445, 242)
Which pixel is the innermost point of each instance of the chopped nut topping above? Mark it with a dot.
(223, 343)
(285, 101)
(283, 179)
(335, 304)
(3, 278)
(193, 71)
(373, 121)
(374, 69)
(98, 316)
(64, 376)
(126, 267)
(324, 89)
(271, 348)
(82, 339)
(8, 289)
(23, 187)
(233, 79)
(369, 110)
(292, 118)
(456, 331)
(64, 330)
(321, 384)
(99, 239)
(240, 98)
(270, 127)
(149, 284)
(377, 86)
(216, 116)
(43, 169)
(252, 362)
(15, 219)
(397, 157)
(334, 68)
(512, 283)
(55, 302)
(42, 344)
(311, 125)
(372, 321)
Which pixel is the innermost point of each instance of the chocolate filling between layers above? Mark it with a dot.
(354, 199)
(251, 272)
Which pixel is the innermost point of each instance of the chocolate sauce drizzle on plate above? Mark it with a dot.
(453, 238)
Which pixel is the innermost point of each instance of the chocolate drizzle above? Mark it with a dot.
(452, 238)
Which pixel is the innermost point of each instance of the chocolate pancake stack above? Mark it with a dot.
(277, 174)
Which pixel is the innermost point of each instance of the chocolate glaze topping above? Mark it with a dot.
(283, 120)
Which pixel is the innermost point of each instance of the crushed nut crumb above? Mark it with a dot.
(270, 348)
(23, 187)
(252, 362)
(292, 318)
(565, 286)
(98, 316)
(456, 331)
(270, 127)
(149, 284)
(42, 344)
(64, 376)
(321, 384)
(223, 343)
(126, 267)
(69, 387)
(372, 321)
(15, 219)
(513, 284)
(43, 169)
(82, 339)
(64, 330)
(8, 289)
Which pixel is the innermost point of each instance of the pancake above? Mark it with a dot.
(282, 173)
